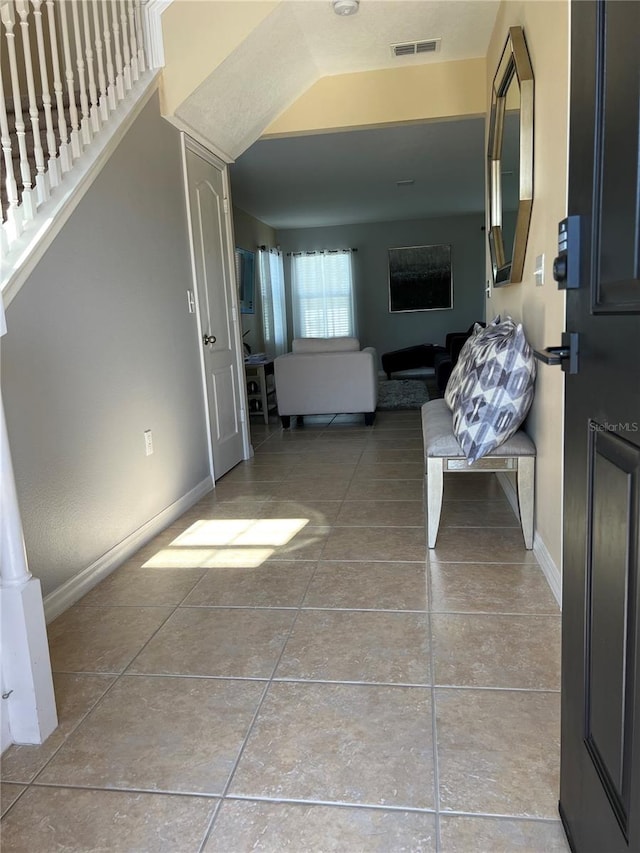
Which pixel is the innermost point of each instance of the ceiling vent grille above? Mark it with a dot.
(413, 48)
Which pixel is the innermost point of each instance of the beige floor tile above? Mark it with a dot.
(246, 491)
(480, 545)
(489, 588)
(217, 642)
(476, 486)
(376, 586)
(275, 827)
(382, 441)
(341, 743)
(388, 471)
(317, 513)
(316, 488)
(387, 456)
(323, 453)
(496, 513)
(237, 508)
(380, 490)
(306, 545)
(130, 585)
(498, 751)
(311, 471)
(77, 821)
(9, 793)
(101, 639)
(159, 734)
(491, 650)
(411, 432)
(374, 543)
(381, 513)
(496, 835)
(269, 585)
(75, 696)
(264, 473)
(343, 645)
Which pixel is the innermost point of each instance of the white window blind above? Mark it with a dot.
(322, 294)
(274, 312)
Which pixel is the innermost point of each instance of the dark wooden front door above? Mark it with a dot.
(600, 767)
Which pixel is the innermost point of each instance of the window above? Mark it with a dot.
(322, 294)
(274, 312)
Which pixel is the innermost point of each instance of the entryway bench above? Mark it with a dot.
(443, 453)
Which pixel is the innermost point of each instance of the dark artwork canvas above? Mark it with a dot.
(420, 278)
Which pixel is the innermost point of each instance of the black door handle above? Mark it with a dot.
(566, 355)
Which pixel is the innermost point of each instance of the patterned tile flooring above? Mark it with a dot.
(281, 670)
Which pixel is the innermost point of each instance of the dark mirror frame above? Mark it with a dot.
(514, 61)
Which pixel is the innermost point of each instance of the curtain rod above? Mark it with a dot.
(264, 248)
(320, 252)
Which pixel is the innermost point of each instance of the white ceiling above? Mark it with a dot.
(303, 40)
(341, 178)
(344, 178)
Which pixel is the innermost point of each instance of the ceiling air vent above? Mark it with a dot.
(413, 48)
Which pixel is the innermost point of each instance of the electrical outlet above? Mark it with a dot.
(148, 442)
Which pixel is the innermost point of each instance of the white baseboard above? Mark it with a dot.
(71, 591)
(542, 555)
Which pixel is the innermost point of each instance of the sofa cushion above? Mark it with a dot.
(325, 345)
(494, 394)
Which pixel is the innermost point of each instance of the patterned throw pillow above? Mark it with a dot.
(496, 390)
(467, 354)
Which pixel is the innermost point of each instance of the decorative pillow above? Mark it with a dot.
(496, 391)
(473, 343)
(343, 344)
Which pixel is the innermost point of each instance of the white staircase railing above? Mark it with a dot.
(61, 77)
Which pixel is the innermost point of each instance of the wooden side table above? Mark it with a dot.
(261, 372)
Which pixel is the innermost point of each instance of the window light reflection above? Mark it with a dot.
(206, 558)
(264, 531)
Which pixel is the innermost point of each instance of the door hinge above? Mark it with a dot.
(225, 203)
(243, 416)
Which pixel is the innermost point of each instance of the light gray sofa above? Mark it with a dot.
(323, 376)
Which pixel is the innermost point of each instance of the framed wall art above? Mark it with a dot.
(420, 278)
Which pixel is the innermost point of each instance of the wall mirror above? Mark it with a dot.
(510, 160)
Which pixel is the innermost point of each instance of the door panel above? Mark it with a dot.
(216, 308)
(600, 763)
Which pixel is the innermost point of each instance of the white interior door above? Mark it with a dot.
(217, 308)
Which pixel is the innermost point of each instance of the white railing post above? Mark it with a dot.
(85, 124)
(118, 51)
(14, 214)
(8, 13)
(142, 65)
(135, 71)
(93, 92)
(111, 91)
(42, 185)
(52, 163)
(76, 145)
(102, 81)
(66, 159)
(126, 50)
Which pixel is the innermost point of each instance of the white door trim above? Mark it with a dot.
(238, 355)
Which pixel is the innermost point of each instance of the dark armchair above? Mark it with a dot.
(445, 361)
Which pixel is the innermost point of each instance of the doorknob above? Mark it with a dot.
(208, 339)
(567, 352)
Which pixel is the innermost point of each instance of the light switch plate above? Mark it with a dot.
(539, 271)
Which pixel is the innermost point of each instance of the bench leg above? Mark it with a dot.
(433, 494)
(526, 483)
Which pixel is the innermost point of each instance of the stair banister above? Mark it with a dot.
(117, 50)
(94, 113)
(52, 162)
(66, 159)
(76, 145)
(85, 125)
(14, 214)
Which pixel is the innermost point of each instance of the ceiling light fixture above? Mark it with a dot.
(345, 7)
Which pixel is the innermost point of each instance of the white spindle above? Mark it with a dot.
(65, 151)
(8, 14)
(85, 123)
(93, 91)
(14, 215)
(52, 163)
(102, 81)
(76, 145)
(126, 50)
(117, 49)
(142, 65)
(111, 91)
(42, 184)
(135, 71)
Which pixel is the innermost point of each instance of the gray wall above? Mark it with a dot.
(100, 347)
(249, 234)
(377, 327)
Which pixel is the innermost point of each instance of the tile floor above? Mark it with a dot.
(280, 670)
